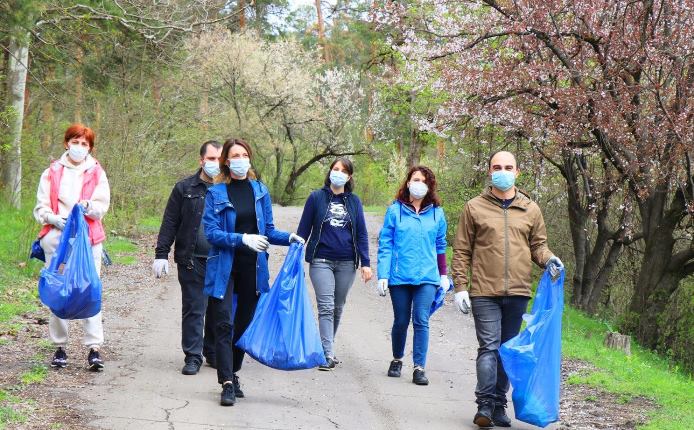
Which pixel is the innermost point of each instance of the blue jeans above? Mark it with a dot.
(331, 281)
(497, 319)
(415, 301)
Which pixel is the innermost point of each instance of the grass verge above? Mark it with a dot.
(121, 250)
(641, 374)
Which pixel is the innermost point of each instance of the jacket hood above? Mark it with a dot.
(327, 189)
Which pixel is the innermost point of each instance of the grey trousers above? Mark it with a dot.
(331, 281)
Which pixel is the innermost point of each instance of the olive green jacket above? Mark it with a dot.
(497, 246)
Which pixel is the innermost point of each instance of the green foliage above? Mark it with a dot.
(641, 374)
(8, 415)
(678, 326)
(121, 250)
(17, 274)
(36, 375)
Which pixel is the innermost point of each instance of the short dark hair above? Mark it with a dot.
(349, 186)
(489, 162)
(212, 143)
(432, 196)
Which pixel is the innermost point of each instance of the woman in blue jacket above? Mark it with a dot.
(412, 264)
(238, 224)
(333, 223)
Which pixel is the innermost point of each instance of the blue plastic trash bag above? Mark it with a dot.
(440, 295)
(37, 251)
(70, 286)
(283, 333)
(532, 360)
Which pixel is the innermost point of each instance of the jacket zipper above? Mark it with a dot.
(257, 219)
(354, 235)
(506, 251)
(320, 230)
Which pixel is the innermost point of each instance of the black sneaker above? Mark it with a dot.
(228, 397)
(395, 369)
(95, 361)
(329, 366)
(192, 366)
(500, 418)
(237, 386)
(59, 359)
(418, 376)
(483, 417)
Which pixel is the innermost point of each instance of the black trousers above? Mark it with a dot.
(241, 288)
(197, 333)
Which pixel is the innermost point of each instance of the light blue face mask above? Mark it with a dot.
(338, 178)
(211, 168)
(503, 180)
(239, 166)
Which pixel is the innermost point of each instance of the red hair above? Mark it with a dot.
(432, 196)
(80, 130)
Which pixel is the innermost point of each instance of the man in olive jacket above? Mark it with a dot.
(500, 234)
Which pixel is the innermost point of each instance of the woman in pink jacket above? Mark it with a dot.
(75, 178)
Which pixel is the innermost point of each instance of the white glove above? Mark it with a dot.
(296, 238)
(256, 242)
(56, 220)
(382, 287)
(554, 265)
(445, 283)
(462, 300)
(160, 267)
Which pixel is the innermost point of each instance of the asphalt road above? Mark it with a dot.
(142, 387)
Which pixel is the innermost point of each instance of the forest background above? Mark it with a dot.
(594, 98)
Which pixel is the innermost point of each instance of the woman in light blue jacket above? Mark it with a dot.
(412, 264)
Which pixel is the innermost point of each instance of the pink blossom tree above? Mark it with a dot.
(608, 79)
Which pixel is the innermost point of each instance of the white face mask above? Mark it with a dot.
(338, 178)
(211, 168)
(78, 152)
(239, 166)
(418, 189)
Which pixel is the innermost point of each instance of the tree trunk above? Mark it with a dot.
(278, 170)
(156, 93)
(97, 116)
(441, 150)
(16, 84)
(601, 281)
(242, 14)
(321, 32)
(578, 225)
(79, 84)
(657, 279)
(415, 152)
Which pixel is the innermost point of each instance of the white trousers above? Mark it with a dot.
(57, 327)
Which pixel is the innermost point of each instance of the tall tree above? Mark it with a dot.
(616, 76)
(26, 19)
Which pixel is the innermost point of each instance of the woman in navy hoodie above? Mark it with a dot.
(334, 227)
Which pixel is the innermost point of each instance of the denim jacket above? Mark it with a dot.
(219, 221)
